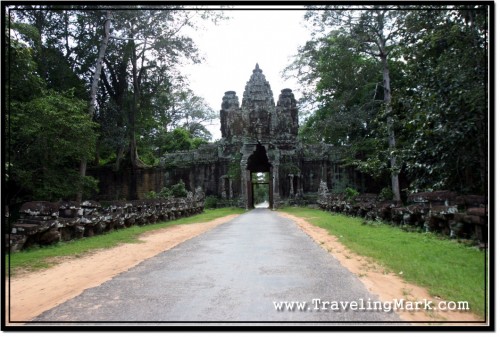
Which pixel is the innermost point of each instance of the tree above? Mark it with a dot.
(44, 156)
(346, 93)
(127, 72)
(139, 72)
(45, 123)
(445, 99)
(375, 30)
(94, 86)
(435, 60)
(190, 112)
(178, 139)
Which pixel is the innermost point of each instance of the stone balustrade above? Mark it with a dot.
(45, 223)
(456, 216)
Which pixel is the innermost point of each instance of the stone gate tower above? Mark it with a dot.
(263, 132)
(260, 136)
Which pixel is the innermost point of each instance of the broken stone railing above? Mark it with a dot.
(456, 216)
(45, 223)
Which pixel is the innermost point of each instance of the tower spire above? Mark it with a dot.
(257, 68)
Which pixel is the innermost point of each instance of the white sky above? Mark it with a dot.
(233, 47)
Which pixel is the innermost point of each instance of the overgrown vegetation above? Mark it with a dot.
(211, 202)
(46, 256)
(61, 116)
(401, 91)
(448, 269)
(176, 191)
(350, 193)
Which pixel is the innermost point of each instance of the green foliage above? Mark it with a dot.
(437, 60)
(211, 202)
(444, 101)
(289, 168)
(351, 193)
(386, 193)
(448, 269)
(141, 90)
(260, 187)
(49, 135)
(49, 130)
(151, 195)
(179, 190)
(144, 92)
(261, 193)
(346, 86)
(175, 191)
(178, 140)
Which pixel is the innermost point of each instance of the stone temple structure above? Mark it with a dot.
(260, 136)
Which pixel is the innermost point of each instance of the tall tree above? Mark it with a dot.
(146, 46)
(44, 124)
(375, 30)
(432, 64)
(445, 98)
(94, 87)
(139, 55)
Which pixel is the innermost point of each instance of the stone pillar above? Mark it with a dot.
(290, 176)
(245, 177)
(323, 171)
(300, 188)
(223, 187)
(276, 185)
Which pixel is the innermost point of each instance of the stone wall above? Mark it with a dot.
(127, 183)
(455, 216)
(45, 223)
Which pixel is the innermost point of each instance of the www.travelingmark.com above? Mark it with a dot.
(370, 305)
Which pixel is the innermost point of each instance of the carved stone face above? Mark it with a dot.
(259, 123)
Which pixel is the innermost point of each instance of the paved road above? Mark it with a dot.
(234, 272)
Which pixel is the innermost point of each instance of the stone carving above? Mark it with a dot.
(46, 223)
(444, 212)
(260, 136)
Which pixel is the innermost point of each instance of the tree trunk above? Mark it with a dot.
(134, 156)
(93, 90)
(390, 129)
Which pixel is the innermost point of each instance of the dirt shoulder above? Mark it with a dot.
(388, 286)
(33, 293)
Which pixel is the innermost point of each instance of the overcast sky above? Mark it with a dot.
(233, 47)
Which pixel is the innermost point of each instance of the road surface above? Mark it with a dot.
(241, 271)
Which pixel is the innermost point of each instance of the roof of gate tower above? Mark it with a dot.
(257, 89)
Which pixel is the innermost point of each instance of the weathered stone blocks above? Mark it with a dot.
(445, 212)
(45, 223)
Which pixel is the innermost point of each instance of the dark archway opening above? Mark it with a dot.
(260, 179)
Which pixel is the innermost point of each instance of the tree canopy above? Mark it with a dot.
(435, 109)
(100, 85)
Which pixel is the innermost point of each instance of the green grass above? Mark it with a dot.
(44, 257)
(448, 269)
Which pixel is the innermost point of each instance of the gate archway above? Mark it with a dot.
(258, 162)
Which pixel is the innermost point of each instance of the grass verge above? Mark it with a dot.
(446, 268)
(44, 257)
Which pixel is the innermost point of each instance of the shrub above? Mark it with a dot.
(351, 193)
(386, 193)
(211, 202)
(179, 190)
(151, 195)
